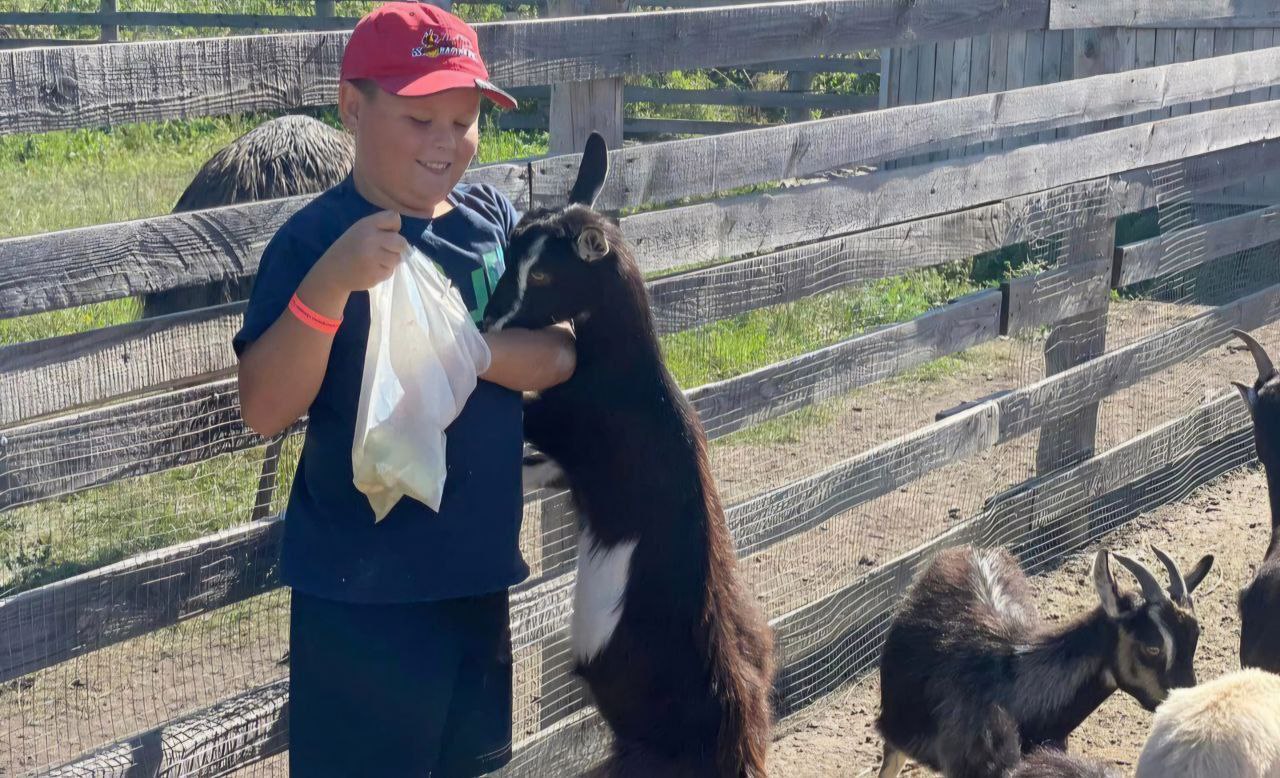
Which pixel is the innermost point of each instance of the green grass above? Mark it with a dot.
(726, 348)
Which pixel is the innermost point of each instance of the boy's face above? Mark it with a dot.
(411, 151)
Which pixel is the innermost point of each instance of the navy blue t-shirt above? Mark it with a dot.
(332, 548)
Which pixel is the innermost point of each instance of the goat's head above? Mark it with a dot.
(558, 259)
(1157, 633)
(1263, 399)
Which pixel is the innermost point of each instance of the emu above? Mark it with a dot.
(970, 680)
(1259, 600)
(675, 653)
(1227, 728)
(1052, 763)
(286, 156)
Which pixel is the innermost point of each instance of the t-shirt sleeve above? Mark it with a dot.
(285, 262)
(498, 208)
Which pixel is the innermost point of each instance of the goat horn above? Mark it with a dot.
(1260, 358)
(1151, 588)
(1177, 584)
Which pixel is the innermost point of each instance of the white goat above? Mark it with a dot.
(1225, 728)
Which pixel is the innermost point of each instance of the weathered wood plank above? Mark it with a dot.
(217, 740)
(1178, 251)
(70, 268)
(81, 86)
(111, 261)
(234, 21)
(1077, 14)
(859, 65)
(1054, 295)
(697, 297)
(70, 453)
(759, 98)
(60, 374)
(764, 222)
(734, 403)
(1029, 407)
(75, 616)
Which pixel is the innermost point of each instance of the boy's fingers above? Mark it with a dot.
(386, 220)
(394, 243)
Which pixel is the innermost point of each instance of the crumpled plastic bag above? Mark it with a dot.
(422, 362)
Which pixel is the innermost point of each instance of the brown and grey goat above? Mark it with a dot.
(283, 157)
(971, 680)
(1260, 599)
(1228, 727)
(678, 658)
(1052, 763)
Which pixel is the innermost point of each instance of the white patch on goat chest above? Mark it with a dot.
(598, 593)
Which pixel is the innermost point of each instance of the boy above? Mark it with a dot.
(400, 656)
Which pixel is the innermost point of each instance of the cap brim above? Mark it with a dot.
(443, 80)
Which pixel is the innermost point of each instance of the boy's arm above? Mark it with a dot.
(281, 370)
(531, 360)
(280, 373)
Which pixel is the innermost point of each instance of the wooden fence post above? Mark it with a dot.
(1096, 52)
(326, 9)
(1071, 437)
(110, 32)
(580, 107)
(799, 82)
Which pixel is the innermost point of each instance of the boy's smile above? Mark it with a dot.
(410, 151)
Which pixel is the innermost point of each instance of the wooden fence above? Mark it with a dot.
(158, 392)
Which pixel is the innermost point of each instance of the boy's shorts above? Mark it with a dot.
(419, 689)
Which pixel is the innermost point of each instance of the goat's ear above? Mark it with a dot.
(591, 244)
(1247, 393)
(1106, 585)
(1197, 574)
(592, 172)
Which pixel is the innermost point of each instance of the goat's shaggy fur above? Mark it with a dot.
(1225, 728)
(284, 157)
(970, 680)
(1052, 763)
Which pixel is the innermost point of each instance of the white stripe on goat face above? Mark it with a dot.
(535, 253)
(1166, 636)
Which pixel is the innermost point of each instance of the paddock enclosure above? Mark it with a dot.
(989, 304)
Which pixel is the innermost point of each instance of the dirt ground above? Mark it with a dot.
(1228, 518)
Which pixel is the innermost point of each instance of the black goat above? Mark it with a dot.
(970, 680)
(1052, 763)
(1260, 598)
(677, 657)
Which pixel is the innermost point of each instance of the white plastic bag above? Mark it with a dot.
(421, 364)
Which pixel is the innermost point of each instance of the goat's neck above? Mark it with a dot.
(1064, 675)
(619, 332)
(1273, 491)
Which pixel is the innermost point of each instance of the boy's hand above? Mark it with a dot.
(365, 255)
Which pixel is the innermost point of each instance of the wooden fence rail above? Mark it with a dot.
(85, 86)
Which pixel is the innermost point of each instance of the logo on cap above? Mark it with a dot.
(437, 42)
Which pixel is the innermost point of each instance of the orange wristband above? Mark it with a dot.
(312, 319)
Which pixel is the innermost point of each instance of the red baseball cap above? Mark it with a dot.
(413, 49)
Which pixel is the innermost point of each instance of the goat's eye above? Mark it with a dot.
(539, 277)
(1152, 651)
